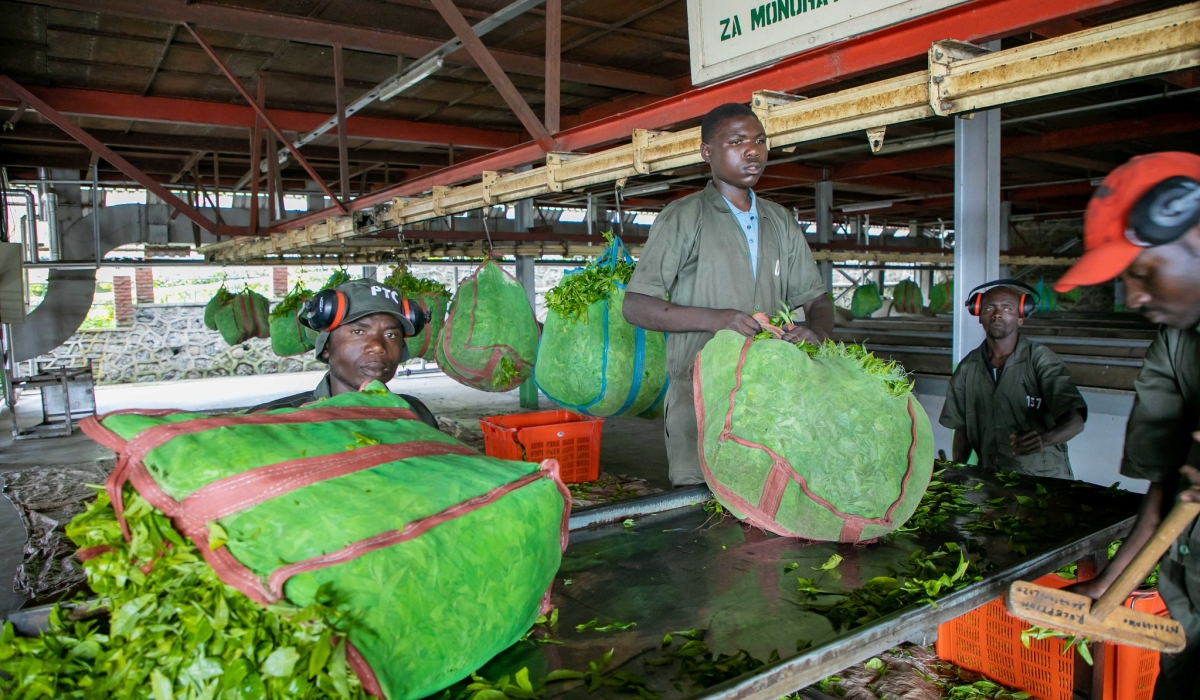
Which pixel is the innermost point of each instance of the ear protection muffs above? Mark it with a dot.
(1169, 210)
(325, 310)
(1026, 305)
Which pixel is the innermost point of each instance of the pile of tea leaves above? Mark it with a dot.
(594, 282)
(174, 629)
(408, 284)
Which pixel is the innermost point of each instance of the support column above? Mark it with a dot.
(279, 281)
(144, 284)
(1005, 222)
(976, 217)
(553, 64)
(339, 86)
(523, 219)
(123, 300)
(824, 204)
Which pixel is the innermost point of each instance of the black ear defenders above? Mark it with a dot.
(327, 310)
(1169, 210)
(1026, 305)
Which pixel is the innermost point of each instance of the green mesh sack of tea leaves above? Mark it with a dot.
(866, 300)
(821, 442)
(433, 297)
(219, 300)
(245, 316)
(288, 336)
(490, 338)
(907, 298)
(419, 558)
(941, 297)
(590, 359)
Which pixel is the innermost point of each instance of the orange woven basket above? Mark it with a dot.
(571, 438)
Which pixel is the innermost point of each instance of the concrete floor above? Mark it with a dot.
(630, 446)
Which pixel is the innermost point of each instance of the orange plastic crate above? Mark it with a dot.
(987, 640)
(572, 439)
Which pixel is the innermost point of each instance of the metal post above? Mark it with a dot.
(96, 199)
(523, 219)
(824, 204)
(1005, 222)
(591, 215)
(976, 217)
(553, 64)
(340, 95)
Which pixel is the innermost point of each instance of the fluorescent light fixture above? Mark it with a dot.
(411, 77)
(645, 189)
(866, 206)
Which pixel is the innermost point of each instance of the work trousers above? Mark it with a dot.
(1180, 589)
(683, 453)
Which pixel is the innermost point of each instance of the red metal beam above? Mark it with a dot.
(279, 25)
(258, 109)
(107, 154)
(120, 105)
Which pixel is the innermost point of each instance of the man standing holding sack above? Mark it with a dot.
(715, 258)
(1142, 224)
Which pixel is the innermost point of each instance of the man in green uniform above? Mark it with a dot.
(365, 344)
(1012, 400)
(1142, 224)
(715, 258)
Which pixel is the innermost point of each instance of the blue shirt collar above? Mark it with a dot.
(753, 210)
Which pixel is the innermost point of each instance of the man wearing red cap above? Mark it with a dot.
(1143, 223)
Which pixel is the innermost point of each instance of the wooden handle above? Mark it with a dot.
(1179, 518)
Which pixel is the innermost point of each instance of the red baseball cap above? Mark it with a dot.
(1107, 248)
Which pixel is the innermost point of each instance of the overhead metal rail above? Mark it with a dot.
(960, 78)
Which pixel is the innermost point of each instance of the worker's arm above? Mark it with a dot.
(655, 314)
(1030, 442)
(961, 450)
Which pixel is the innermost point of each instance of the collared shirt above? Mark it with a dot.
(1033, 391)
(748, 223)
(695, 256)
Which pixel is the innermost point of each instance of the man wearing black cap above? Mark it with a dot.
(366, 343)
(1143, 223)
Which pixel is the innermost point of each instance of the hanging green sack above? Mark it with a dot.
(819, 442)
(866, 300)
(941, 297)
(288, 336)
(437, 557)
(219, 300)
(1047, 297)
(907, 298)
(244, 317)
(590, 359)
(490, 338)
(433, 297)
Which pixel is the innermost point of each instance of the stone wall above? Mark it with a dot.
(168, 342)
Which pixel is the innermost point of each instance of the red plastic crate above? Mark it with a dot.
(571, 438)
(987, 640)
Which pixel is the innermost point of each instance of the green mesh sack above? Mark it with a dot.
(907, 298)
(590, 359)
(941, 297)
(490, 338)
(244, 317)
(437, 557)
(866, 300)
(220, 299)
(288, 336)
(433, 297)
(823, 443)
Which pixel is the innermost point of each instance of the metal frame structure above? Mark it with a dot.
(1115, 52)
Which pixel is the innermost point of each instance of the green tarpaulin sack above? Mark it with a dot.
(590, 359)
(288, 336)
(907, 298)
(941, 297)
(219, 300)
(244, 317)
(438, 557)
(490, 338)
(819, 442)
(866, 300)
(433, 297)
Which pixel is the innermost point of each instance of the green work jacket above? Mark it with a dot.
(697, 255)
(1035, 390)
(1166, 411)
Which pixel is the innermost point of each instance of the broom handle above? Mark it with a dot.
(1179, 518)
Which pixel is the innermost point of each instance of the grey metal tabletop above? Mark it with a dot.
(668, 565)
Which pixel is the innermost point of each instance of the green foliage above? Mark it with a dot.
(506, 372)
(175, 631)
(291, 303)
(1071, 641)
(409, 285)
(699, 665)
(610, 627)
(579, 290)
(891, 374)
(1071, 571)
(339, 277)
(942, 500)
